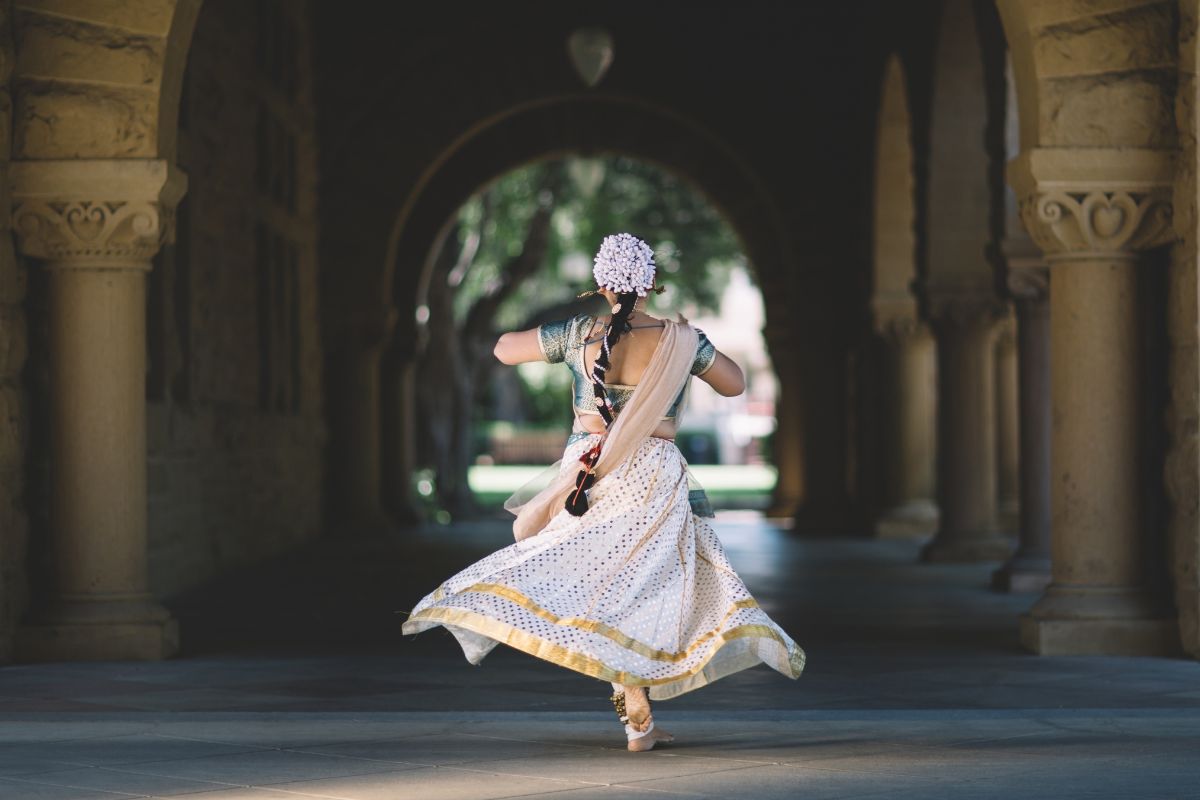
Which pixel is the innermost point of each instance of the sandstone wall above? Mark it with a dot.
(14, 524)
(233, 379)
(1182, 471)
(235, 418)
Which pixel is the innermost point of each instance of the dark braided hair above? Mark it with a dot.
(612, 334)
(577, 502)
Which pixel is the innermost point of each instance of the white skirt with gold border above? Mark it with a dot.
(637, 591)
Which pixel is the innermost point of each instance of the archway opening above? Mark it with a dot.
(515, 255)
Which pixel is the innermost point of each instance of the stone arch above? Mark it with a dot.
(906, 410)
(963, 211)
(99, 80)
(959, 196)
(1093, 75)
(588, 125)
(894, 239)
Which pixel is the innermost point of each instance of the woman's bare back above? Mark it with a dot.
(628, 362)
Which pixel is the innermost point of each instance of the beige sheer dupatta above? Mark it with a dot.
(668, 371)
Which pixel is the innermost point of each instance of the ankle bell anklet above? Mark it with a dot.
(631, 733)
(618, 701)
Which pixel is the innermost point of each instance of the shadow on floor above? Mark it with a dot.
(318, 630)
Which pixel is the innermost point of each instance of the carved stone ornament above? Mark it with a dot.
(894, 315)
(91, 230)
(101, 213)
(591, 54)
(897, 330)
(1088, 223)
(950, 309)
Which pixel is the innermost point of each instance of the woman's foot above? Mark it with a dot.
(641, 730)
(647, 741)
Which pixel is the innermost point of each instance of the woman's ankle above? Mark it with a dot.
(637, 706)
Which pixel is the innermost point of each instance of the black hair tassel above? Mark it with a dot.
(577, 501)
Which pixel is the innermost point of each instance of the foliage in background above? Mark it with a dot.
(694, 247)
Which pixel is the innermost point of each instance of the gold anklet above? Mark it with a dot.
(618, 701)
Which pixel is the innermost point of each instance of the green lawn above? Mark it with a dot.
(728, 486)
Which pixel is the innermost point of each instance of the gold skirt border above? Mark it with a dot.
(602, 629)
(658, 688)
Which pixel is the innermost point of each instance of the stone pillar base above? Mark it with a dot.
(1022, 575)
(126, 629)
(913, 520)
(1187, 600)
(1099, 620)
(1095, 637)
(988, 547)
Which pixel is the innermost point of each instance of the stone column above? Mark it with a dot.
(1029, 568)
(400, 433)
(787, 449)
(965, 327)
(908, 431)
(357, 454)
(95, 225)
(823, 360)
(1092, 218)
(1007, 426)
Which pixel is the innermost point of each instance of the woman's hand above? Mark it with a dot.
(517, 347)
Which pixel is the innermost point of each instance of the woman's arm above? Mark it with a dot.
(517, 347)
(725, 376)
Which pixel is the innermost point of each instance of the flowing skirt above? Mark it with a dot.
(637, 591)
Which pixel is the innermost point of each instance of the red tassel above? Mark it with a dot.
(591, 456)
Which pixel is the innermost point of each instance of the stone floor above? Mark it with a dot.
(295, 682)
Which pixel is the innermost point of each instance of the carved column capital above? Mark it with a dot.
(1086, 223)
(949, 308)
(894, 314)
(1085, 203)
(898, 329)
(97, 213)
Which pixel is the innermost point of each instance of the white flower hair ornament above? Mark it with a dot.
(625, 264)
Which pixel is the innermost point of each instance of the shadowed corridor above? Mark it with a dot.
(317, 630)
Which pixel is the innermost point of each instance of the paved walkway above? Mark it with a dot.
(294, 682)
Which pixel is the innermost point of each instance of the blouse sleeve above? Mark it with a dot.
(552, 339)
(706, 355)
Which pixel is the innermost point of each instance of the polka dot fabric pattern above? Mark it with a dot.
(637, 591)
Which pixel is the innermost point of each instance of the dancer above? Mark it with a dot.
(616, 572)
